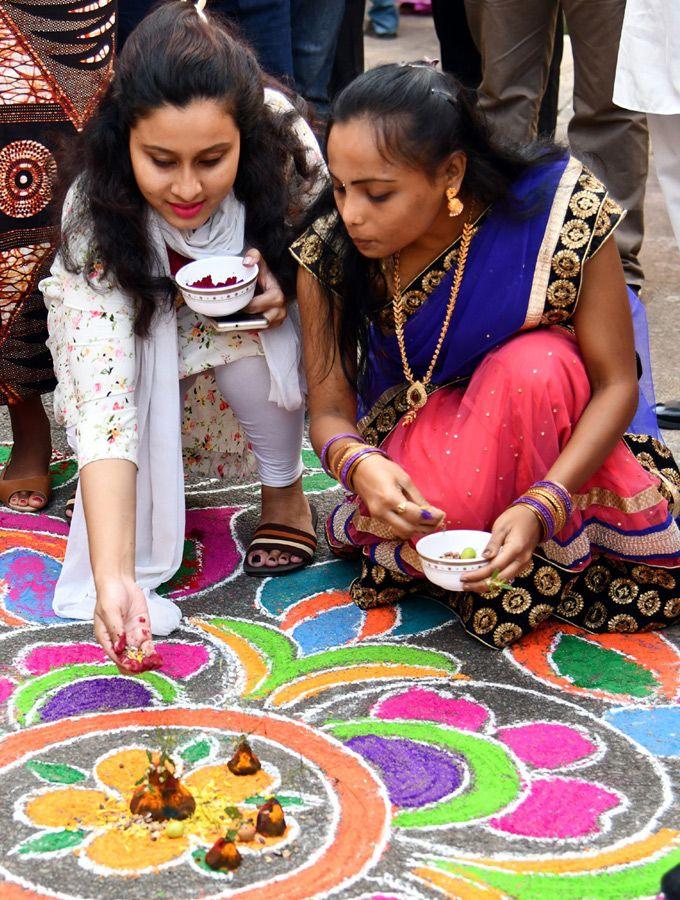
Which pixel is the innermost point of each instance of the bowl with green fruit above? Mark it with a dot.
(448, 555)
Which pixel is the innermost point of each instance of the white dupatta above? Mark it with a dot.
(160, 476)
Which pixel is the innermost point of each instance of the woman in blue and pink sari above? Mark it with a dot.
(471, 359)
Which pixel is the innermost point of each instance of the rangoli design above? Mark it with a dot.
(407, 761)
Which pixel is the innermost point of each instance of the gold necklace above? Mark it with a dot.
(416, 395)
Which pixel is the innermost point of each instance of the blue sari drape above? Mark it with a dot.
(492, 304)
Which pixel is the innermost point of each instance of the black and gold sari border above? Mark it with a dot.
(385, 414)
(579, 229)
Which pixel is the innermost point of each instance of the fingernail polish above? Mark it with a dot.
(426, 515)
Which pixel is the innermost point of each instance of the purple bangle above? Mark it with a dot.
(365, 451)
(327, 445)
(560, 492)
(544, 513)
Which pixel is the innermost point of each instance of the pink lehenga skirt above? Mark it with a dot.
(473, 449)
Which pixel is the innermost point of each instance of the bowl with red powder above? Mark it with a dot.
(218, 285)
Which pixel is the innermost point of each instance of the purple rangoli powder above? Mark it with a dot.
(414, 774)
(99, 694)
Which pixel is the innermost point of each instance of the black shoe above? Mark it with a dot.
(668, 414)
(370, 31)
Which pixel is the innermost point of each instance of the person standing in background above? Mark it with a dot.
(460, 57)
(383, 19)
(294, 40)
(55, 62)
(265, 24)
(349, 54)
(315, 28)
(648, 80)
(515, 38)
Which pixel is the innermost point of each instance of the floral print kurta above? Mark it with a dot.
(92, 342)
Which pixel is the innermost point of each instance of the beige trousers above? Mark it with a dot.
(665, 134)
(515, 40)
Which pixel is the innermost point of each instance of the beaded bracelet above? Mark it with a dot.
(326, 447)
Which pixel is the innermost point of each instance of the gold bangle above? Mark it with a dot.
(544, 524)
(349, 478)
(337, 453)
(554, 503)
(336, 467)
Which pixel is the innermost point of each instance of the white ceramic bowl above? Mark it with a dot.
(447, 572)
(221, 301)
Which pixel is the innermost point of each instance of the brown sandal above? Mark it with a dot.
(36, 484)
(270, 536)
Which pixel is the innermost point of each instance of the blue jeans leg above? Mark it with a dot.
(384, 16)
(315, 27)
(266, 26)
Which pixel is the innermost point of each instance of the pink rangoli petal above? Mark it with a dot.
(547, 745)
(43, 659)
(432, 706)
(559, 808)
(6, 688)
(179, 660)
(182, 660)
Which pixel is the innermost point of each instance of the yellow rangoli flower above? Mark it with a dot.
(121, 842)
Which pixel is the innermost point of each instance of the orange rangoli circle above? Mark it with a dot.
(364, 810)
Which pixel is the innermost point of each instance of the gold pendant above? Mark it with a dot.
(416, 397)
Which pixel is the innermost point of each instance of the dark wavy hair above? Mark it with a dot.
(174, 57)
(420, 116)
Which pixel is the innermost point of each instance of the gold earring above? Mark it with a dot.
(455, 205)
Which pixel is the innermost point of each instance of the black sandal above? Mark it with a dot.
(271, 536)
(668, 414)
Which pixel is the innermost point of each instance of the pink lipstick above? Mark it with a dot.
(187, 210)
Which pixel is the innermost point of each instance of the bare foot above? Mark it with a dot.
(285, 506)
(31, 451)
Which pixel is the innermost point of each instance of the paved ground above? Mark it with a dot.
(410, 761)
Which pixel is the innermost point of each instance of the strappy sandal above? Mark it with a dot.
(271, 536)
(35, 484)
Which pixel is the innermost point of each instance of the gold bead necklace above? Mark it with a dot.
(416, 395)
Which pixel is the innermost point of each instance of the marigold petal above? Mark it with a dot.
(121, 771)
(237, 787)
(130, 851)
(73, 808)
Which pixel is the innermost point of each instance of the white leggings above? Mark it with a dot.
(274, 433)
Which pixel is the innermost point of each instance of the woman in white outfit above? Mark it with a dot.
(188, 156)
(648, 80)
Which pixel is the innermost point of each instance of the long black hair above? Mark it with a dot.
(420, 116)
(174, 57)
